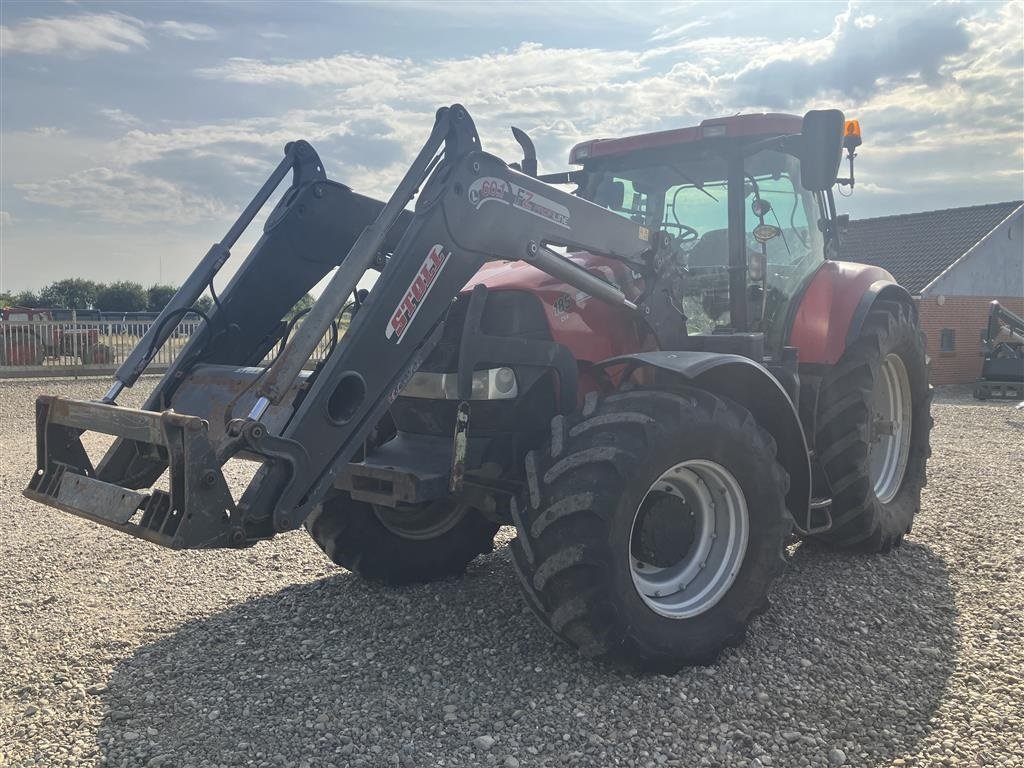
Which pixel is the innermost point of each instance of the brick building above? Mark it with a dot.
(954, 263)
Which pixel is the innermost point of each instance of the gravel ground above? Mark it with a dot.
(115, 652)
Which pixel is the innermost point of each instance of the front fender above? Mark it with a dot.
(752, 386)
(833, 308)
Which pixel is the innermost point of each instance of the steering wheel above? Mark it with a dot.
(686, 232)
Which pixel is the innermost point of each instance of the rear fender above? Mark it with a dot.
(834, 306)
(752, 386)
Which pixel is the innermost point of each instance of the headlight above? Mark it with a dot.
(492, 384)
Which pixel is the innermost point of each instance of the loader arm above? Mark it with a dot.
(306, 427)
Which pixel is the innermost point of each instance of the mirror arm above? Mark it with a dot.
(850, 154)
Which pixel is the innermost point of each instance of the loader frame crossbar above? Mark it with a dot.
(66, 479)
(471, 208)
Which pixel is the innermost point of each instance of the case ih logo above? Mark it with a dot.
(406, 311)
(489, 188)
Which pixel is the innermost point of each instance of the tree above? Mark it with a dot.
(300, 306)
(204, 303)
(122, 296)
(70, 293)
(157, 296)
(26, 299)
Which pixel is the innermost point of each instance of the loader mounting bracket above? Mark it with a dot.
(196, 510)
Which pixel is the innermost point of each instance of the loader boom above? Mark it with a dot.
(471, 208)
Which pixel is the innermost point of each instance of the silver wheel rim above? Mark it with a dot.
(890, 428)
(426, 521)
(708, 567)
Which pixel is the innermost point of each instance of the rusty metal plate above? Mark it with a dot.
(98, 499)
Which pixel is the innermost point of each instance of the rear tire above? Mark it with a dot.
(876, 480)
(435, 541)
(597, 508)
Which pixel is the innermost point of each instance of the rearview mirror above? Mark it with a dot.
(822, 151)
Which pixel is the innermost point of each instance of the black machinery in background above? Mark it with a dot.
(1002, 373)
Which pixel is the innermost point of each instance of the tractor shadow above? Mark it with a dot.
(855, 652)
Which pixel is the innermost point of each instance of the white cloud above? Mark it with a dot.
(73, 35)
(123, 197)
(341, 70)
(529, 65)
(667, 32)
(49, 130)
(121, 118)
(6, 219)
(186, 30)
(368, 113)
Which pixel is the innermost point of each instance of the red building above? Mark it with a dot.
(954, 262)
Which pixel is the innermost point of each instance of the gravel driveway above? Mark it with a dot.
(116, 652)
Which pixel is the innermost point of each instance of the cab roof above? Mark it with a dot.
(736, 126)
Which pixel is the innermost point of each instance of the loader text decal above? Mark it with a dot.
(489, 189)
(406, 310)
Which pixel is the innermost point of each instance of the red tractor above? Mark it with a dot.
(656, 379)
(32, 335)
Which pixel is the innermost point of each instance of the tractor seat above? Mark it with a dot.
(712, 250)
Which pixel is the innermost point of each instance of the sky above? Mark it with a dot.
(133, 133)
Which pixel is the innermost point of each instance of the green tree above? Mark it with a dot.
(157, 296)
(26, 299)
(122, 296)
(204, 303)
(300, 306)
(70, 293)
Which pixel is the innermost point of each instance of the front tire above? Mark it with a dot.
(425, 543)
(654, 525)
(873, 428)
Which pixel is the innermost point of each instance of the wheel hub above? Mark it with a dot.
(890, 427)
(667, 529)
(688, 539)
(420, 521)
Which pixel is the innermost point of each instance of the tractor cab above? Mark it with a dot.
(747, 229)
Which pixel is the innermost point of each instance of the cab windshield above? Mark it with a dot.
(688, 198)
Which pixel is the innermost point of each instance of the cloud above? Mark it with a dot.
(92, 32)
(367, 114)
(6, 219)
(529, 65)
(856, 59)
(121, 118)
(342, 70)
(123, 197)
(186, 30)
(667, 32)
(73, 35)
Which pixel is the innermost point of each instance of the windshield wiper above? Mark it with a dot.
(695, 184)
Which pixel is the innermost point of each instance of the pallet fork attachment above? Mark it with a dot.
(305, 428)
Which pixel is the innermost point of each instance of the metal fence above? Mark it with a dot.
(69, 348)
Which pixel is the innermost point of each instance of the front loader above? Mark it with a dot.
(652, 385)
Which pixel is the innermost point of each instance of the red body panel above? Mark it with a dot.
(595, 331)
(592, 329)
(827, 306)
